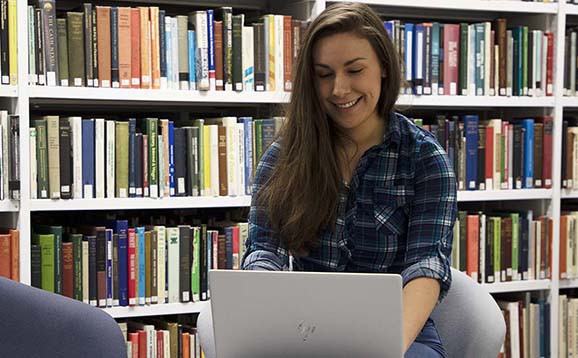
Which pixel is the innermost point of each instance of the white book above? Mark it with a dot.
(241, 156)
(76, 132)
(168, 54)
(167, 344)
(514, 315)
(510, 156)
(526, 336)
(562, 325)
(99, 152)
(418, 75)
(248, 59)
(543, 64)
(574, 131)
(571, 327)
(110, 158)
(214, 154)
(85, 275)
(129, 349)
(230, 124)
(279, 82)
(202, 50)
(161, 258)
(509, 63)
(53, 143)
(33, 165)
(173, 250)
(175, 54)
(497, 125)
(496, 70)
(538, 62)
(482, 243)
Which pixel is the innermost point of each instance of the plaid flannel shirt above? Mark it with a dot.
(395, 216)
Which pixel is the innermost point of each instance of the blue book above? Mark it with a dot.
(132, 158)
(229, 247)
(114, 47)
(140, 239)
(418, 58)
(169, 54)
(192, 49)
(408, 50)
(248, 129)
(88, 158)
(389, 28)
(528, 175)
(435, 57)
(163, 48)
(172, 158)
(471, 124)
(121, 229)
(211, 49)
(109, 252)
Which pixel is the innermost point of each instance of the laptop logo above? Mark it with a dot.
(305, 331)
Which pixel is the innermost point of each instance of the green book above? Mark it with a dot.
(497, 224)
(463, 75)
(153, 151)
(121, 159)
(75, 48)
(258, 139)
(237, 52)
(56, 232)
(525, 60)
(42, 157)
(76, 240)
(515, 244)
(47, 259)
(61, 30)
(196, 265)
(200, 124)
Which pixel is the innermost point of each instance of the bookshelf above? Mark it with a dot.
(23, 99)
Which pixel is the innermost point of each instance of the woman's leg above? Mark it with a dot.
(427, 344)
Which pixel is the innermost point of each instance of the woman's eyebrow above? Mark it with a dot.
(345, 64)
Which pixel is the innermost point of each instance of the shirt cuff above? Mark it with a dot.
(432, 267)
(263, 260)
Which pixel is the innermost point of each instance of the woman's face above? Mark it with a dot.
(348, 79)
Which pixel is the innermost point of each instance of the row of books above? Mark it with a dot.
(500, 247)
(570, 154)
(161, 338)
(9, 156)
(74, 157)
(10, 254)
(141, 47)
(527, 328)
(481, 59)
(118, 265)
(496, 154)
(8, 42)
(568, 244)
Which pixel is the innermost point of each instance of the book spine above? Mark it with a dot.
(163, 50)
(183, 52)
(155, 48)
(152, 132)
(115, 78)
(121, 159)
(248, 60)
(135, 28)
(95, 50)
(132, 157)
(65, 159)
(88, 157)
(42, 158)
(109, 266)
(191, 36)
(227, 16)
(62, 40)
(132, 274)
(145, 48)
(171, 153)
(76, 61)
(40, 69)
(237, 51)
(218, 48)
(88, 51)
(14, 157)
(471, 125)
(211, 49)
(4, 65)
(124, 47)
(259, 57)
(202, 51)
(99, 158)
(50, 40)
(103, 23)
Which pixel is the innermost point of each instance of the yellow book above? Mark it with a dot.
(271, 44)
(13, 42)
(145, 48)
(207, 160)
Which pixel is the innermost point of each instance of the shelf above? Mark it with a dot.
(571, 9)
(9, 206)
(568, 194)
(569, 283)
(9, 91)
(570, 101)
(495, 195)
(139, 203)
(78, 95)
(517, 286)
(466, 5)
(475, 101)
(156, 310)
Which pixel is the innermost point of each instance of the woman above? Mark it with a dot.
(350, 185)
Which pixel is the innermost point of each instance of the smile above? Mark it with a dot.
(347, 104)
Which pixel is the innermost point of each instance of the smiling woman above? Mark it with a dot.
(350, 185)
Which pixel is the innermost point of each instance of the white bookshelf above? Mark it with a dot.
(24, 98)
(156, 310)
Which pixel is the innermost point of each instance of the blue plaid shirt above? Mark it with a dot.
(395, 216)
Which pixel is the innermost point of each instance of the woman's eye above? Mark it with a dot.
(324, 75)
(356, 71)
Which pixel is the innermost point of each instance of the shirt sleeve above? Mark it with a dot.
(263, 251)
(432, 215)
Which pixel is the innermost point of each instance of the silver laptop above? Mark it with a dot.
(306, 314)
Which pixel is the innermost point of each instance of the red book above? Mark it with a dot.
(547, 151)
(186, 345)
(160, 344)
(142, 344)
(132, 268)
(5, 255)
(218, 29)
(67, 270)
(236, 248)
(563, 246)
(287, 54)
(135, 47)
(489, 157)
(133, 338)
(451, 58)
(473, 246)
(550, 64)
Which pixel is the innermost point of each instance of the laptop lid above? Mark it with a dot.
(306, 314)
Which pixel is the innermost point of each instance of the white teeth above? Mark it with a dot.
(347, 105)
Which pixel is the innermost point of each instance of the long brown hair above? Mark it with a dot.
(302, 194)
